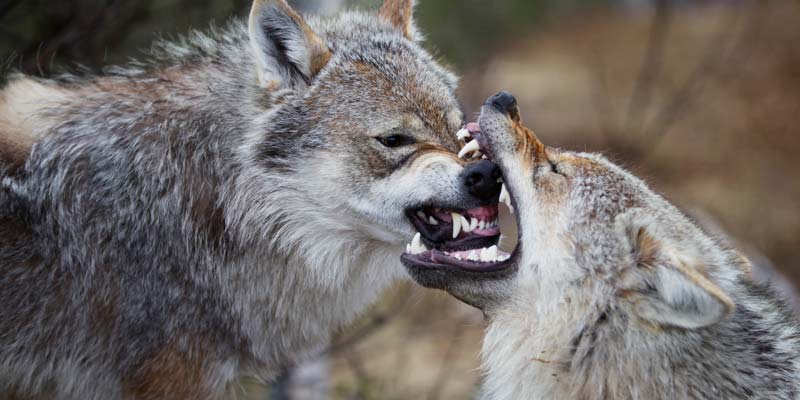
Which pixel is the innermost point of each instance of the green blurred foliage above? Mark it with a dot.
(38, 35)
(468, 29)
(464, 30)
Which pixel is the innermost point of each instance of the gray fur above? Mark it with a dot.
(617, 295)
(177, 226)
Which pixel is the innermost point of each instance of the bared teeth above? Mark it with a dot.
(456, 224)
(465, 226)
(486, 255)
(473, 224)
(505, 198)
(433, 221)
(469, 148)
(416, 246)
(463, 134)
(489, 254)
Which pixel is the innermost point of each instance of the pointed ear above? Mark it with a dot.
(673, 289)
(287, 51)
(400, 13)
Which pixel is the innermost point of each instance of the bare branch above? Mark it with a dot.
(651, 67)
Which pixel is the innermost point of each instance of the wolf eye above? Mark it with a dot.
(396, 140)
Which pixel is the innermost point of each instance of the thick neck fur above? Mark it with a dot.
(574, 342)
(182, 215)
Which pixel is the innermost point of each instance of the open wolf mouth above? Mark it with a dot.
(465, 240)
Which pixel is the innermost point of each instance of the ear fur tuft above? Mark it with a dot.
(288, 53)
(674, 289)
(400, 13)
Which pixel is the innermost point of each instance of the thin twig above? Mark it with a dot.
(651, 68)
(716, 55)
(444, 370)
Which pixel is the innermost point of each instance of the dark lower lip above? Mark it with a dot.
(435, 259)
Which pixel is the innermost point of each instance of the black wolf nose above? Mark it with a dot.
(481, 179)
(504, 102)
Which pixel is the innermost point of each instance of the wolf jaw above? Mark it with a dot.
(474, 243)
(616, 294)
(225, 207)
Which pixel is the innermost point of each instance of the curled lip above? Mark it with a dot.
(438, 257)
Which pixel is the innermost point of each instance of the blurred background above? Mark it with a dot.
(701, 98)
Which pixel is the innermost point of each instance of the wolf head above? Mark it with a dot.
(358, 131)
(590, 232)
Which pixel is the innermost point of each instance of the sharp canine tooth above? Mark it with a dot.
(433, 221)
(456, 224)
(473, 223)
(469, 148)
(416, 246)
(464, 224)
(505, 197)
(463, 134)
(421, 214)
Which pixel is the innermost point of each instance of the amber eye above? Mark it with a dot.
(396, 140)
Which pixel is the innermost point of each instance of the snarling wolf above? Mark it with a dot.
(611, 292)
(219, 211)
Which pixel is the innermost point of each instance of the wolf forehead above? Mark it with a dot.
(374, 69)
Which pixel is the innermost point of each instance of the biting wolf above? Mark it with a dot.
(611, 291)
(218, 211)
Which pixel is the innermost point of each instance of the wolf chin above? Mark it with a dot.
(611, 292)
(171, 226)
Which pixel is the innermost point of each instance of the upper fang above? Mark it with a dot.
(471, 147)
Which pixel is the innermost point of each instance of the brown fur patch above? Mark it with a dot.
(430, 153)
(319, 53)
(13, 153)
(171, 373)
(529, 147)
(647, 248)
(400, 13)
